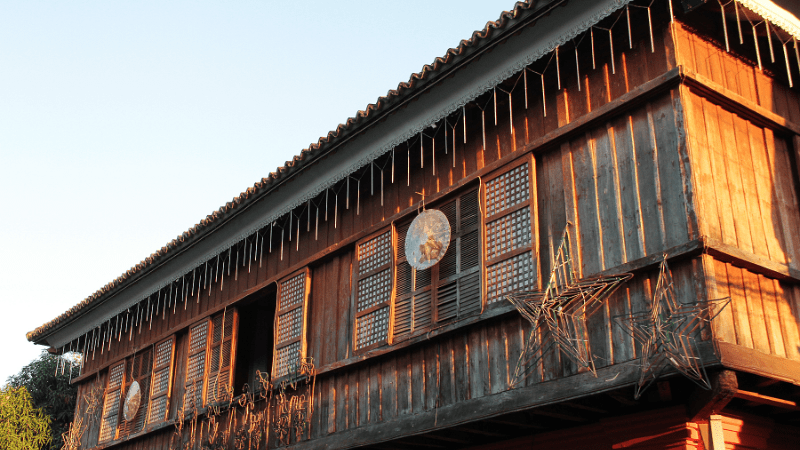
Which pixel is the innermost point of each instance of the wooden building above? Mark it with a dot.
(292, 316)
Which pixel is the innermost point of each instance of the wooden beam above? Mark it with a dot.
(738, 104)
(753, 361)
(704, 403)
(487, 407)
(766, 400)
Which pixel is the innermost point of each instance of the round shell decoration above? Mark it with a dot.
(132, 401)
(427, 239)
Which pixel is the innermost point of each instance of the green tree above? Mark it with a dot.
(51, 391)
(22, 425)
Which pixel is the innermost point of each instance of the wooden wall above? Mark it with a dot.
(746, 190)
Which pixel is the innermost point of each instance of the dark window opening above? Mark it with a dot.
(256, 318)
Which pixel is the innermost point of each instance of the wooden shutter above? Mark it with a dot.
(224, 328)
(139, 369)
(290, 322)
(161, 385)
(372, 286)
(111, 402)
(458, 274)
(510, 229)
(196, 365)
(414, 292)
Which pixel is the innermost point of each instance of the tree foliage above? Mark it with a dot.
(22, 425)
(49, 391)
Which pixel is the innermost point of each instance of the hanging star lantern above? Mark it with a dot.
(667, 333)
(559, 314)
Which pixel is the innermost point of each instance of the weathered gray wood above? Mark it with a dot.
(481, 408)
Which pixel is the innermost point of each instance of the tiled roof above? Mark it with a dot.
(353, 125)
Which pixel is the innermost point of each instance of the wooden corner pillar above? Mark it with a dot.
(703, 404)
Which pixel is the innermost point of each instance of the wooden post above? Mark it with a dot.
(724, 386)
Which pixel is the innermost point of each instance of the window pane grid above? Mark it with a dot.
(374, 290)
(375, 253)
(293, 291)
(372, 327)
(507, 190)
(513, 274)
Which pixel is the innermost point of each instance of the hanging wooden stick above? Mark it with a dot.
(494, 93)
(222, 280)
(445, 136)
(392, 169)
(421, 157)
(724, 25)
(591, 38)
(316, 227)
(788, 69)
(297, 240)
(454, 144)
(358, 197)
(271, 227)
(381, 187)
(282, 230)
(577, 68)
(408, 166)
(260, 258)
(230, 255)
(510, 116)
(336, 209)
(738, 22)
(483, 128)
(291, 214)
(630, 38)
(611, 43)
(326, 204)
(525, 83)
(433, 153)
(464, 116)
(769, 41)
(758, 52)
(544, 102)
(347, 191)
(558, 70)
(308, 215)
(650, 25)
(236, 270)
(372, 178)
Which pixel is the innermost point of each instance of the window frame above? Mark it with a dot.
(279, 345)
(170, 367)
(357, 277)
(533, 246)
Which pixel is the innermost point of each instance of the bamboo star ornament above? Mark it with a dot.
(667, 333)
(559, 313)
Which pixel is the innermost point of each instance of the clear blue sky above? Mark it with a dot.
(122, 124)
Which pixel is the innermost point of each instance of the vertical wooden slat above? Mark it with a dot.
(403, 367)
(771, 316)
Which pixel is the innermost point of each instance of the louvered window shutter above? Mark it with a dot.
(510, 227)
(139, 369)
(111, 402)
(290, 322)
(372, 285)
(413, 299)
(458, 274)
(196, 365)
(161, 385)
(224, 328)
